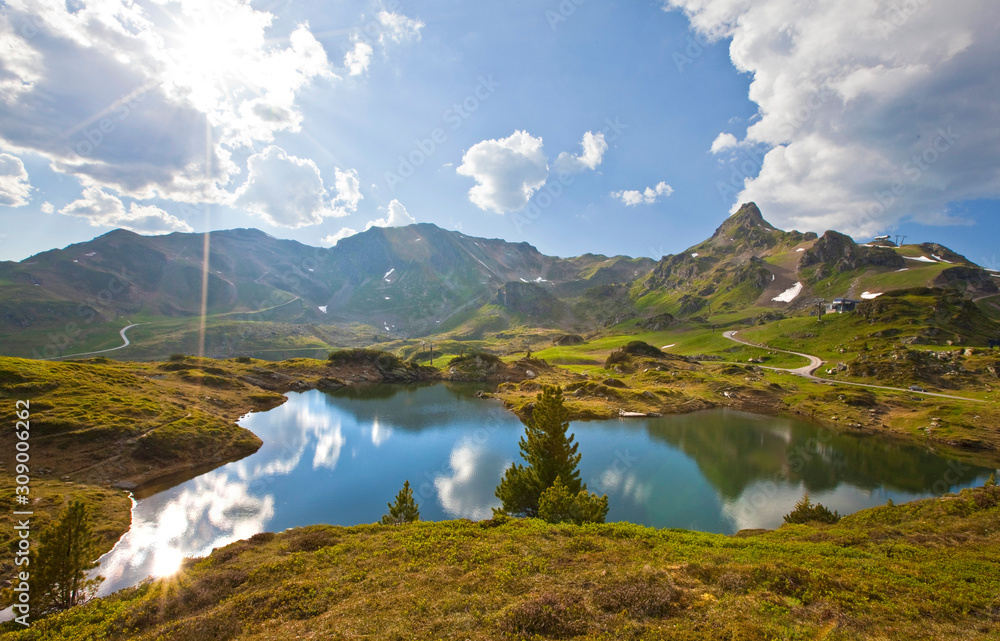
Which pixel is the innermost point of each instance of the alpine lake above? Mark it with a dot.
(340, 457)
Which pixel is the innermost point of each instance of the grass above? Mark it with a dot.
(925, 570)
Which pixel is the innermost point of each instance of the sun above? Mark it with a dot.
(215, 52)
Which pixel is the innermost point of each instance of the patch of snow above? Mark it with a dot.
(323, 308)
(523, 281)
(387, 274)
(694, 255)
(789, 294)
(995, 275)
(75, 260)
(309, 268)
(772, 278)
(542, 280)
(922, 259)
(89, 254)
(870, 295)
(905, 269)
(387, 298)
(669, 346)
(936, 257)
(801, 249)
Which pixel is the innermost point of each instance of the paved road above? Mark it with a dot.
(815, 362)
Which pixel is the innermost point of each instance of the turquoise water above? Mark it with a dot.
(340, 458)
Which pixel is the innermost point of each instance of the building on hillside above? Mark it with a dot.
(841, 305)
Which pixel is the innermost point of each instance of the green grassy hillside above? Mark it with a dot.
(925, 570)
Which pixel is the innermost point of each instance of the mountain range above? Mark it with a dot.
(421, 280)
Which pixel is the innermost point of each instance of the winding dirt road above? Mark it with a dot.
(101, 351)
(815, 362)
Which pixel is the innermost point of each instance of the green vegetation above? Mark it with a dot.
(806, 512)
(66, 550)
(404, 509)
(558, 505)
(549, 486)
(924, 570)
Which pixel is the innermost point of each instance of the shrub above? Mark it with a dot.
(654, 595)
(558, 505)
(806, 512)
(382, 360)
(484, 357)
(546, 615)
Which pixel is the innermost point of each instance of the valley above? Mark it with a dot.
(135, 386)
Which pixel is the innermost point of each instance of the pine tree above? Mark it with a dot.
(404, 510)
(65, 552)
(549, 453)
(557, 505)
(805, 511)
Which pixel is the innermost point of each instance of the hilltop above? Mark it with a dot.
(406, 288)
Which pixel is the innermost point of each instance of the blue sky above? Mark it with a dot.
(575, 125)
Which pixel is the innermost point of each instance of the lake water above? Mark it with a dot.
(340, 458)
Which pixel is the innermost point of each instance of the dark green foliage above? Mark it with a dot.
(66, 550)
(634, 348)
(383, 360)
(550, 455)
(558, 505)
(483, 357)
(806, 512)
(404, 510)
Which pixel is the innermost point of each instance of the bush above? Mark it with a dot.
(654, 595)
(546, 615)
(806, 512)
(635, 348)
(558, 505)
(381, 359)
(484, 357)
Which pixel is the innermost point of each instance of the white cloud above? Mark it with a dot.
(398, 28)
(357, 59)
(333, 239)
(287, 191)
(101, 209)
(724, 141)
(870, 111)
(168, 76)
(48, 208)
(508, 171)
(648, 196)
(15, 188)
(396, 216)
(348, 189)
(594, 147)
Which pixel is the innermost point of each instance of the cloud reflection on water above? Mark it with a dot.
(469, 492)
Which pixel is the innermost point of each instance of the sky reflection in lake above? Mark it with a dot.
(339, 458)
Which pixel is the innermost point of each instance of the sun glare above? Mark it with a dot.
(213, 52)
(167, 562)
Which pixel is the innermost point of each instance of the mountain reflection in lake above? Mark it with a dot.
(340, 458)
